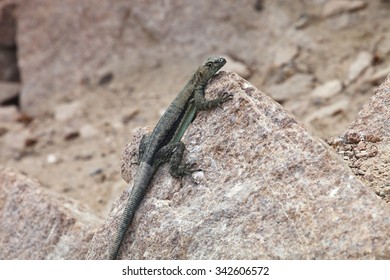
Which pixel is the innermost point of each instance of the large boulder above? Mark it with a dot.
(365, 145)
(37, 224)
(268, 189)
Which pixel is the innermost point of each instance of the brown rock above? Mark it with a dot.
(379, 75)
(67, 111)
(297, 85)
(8, 62)
(335, 7)
(88, 130)
(9, 114)
(71, 133)
(341, 106)
(383, 48)
(285, 54)
(269, 189)
(36, 224)
(327, 90)
(18, 140)
(8, 65)
(7, 24)
(8, 90)
(361, 63)
(3, 130)
(238, 67)
(129, 115)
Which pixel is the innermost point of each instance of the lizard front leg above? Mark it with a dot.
(202, 103)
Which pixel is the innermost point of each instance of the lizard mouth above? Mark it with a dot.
(219, 63)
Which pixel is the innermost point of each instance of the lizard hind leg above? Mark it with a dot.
(177, 168)
(173, 153)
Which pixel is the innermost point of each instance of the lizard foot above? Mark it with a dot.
(184, 170)
(224, 97)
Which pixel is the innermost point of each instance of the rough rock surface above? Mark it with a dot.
(365, 145)
(37, 225)
(269, 189)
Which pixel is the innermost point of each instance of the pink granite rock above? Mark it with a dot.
(269, 189)
(37, 224)
(365, 145)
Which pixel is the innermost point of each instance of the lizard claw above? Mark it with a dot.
(183, 170)
(224, 97)
(191, 168)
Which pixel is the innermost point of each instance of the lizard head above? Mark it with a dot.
(211, 66)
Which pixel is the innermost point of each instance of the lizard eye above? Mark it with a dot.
(209, 64)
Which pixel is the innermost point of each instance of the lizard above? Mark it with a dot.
(164, 143)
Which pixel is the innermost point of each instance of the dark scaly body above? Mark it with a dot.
(164, 144)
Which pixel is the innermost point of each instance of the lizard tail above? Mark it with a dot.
(141, 182)
(124, 223)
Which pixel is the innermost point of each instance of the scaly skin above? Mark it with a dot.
(164, 144)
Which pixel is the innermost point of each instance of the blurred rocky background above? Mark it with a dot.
(78, 77)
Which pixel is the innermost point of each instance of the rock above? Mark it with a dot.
(8, 65)
(106, 79)
(327, 90)
(339, 106)
(259, 5)
(285, 54)
(269, 190)
(52, 159)
(18, 140)
(369, 138)
(9, 114)
(383, 48)
(128, 116)
(3, 130)
(8, 91)
(238, 67)
(67, 111)
(7, 24)
(295, 86)
(374, 118)
(8, 61)
(361, 63)
(36, 224)
(70, 133)
(88, 130)
(379, 75)
(335, 7)
(304, 20)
